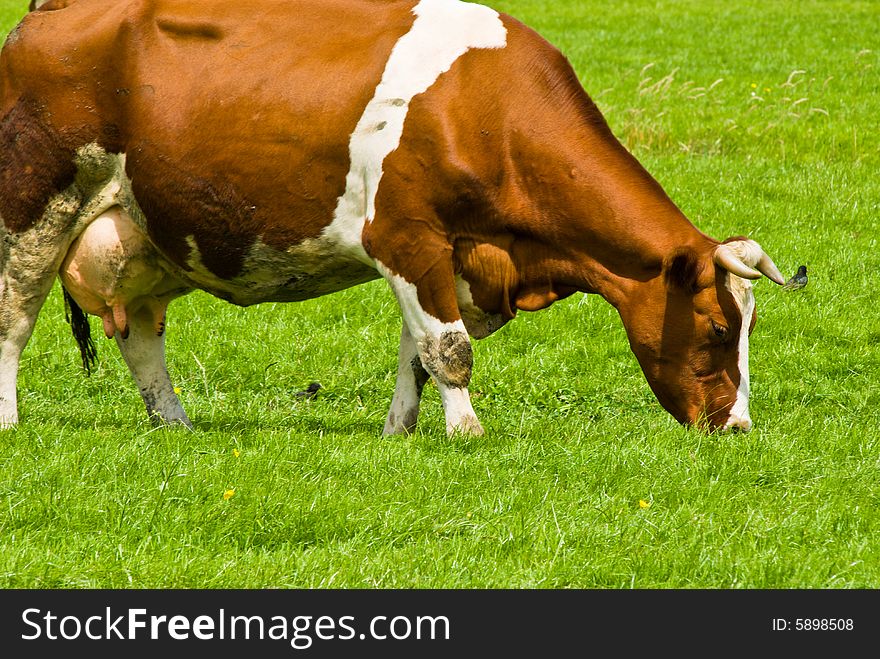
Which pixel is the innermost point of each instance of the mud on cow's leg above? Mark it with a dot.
(29, 261)
(449, 358)
(20, 302)
(411, 379)
(443, 348)
(144, 351)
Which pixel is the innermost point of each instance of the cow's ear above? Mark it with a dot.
(683, 270)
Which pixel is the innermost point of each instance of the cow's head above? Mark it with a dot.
(690, 327)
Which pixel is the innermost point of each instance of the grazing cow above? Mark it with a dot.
(290, 150)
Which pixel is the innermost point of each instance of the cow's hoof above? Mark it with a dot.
(468, 425)
(404, 424)
(159, 421)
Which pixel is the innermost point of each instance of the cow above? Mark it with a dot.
(149, 148)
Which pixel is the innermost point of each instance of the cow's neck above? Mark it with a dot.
(605, 225)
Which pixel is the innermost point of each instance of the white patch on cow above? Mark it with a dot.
(10, 353)
(29, 262)
(443, 31)
(460, 415)
(742, 292)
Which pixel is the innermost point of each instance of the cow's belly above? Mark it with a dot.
(112, 271)
(307, 270)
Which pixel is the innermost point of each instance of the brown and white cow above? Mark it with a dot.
(153, 147)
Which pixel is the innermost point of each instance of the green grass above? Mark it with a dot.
(708, 96)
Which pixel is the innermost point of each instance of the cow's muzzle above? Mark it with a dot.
(738, 424)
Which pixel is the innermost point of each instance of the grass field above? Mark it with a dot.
(758, 118)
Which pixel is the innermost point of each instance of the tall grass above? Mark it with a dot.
(758, 118)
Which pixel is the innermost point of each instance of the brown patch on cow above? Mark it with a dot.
(684, 269)
(264, 156)
(409, 239)
(266, 137)
(179, 204)
(260, 153)
(488, 268)
(536, 299)
(34, 166)
(450, 358)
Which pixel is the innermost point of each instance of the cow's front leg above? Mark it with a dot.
(443, 348)
(411, 378)
(143, 349)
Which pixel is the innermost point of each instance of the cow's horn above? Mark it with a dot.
(766, 265)
(742, 257)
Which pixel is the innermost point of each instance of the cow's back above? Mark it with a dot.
(234, 119)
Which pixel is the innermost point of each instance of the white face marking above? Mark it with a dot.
(744, 296)
(443, 31)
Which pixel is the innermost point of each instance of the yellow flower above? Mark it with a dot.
(754, 85)
(228, 494)
(177, 390)
(644, 504)
(236, 452)
(767, 90)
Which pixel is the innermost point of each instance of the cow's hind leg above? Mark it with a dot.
(143, 349)
(443, 348)
(411, 379)
(21, 297)
(29, 261)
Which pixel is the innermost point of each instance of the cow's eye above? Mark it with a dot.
(720, 330)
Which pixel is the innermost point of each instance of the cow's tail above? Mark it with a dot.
(82, 332)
